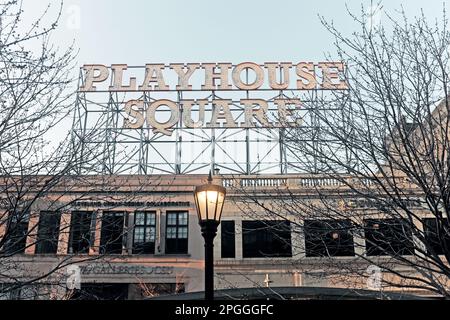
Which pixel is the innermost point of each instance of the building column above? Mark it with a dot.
(359, 241)
(192, 225)
(64, 233)
(298, 242)
(3, 222)
(32, 233)
(129, 233)
(298, 250)
(238, 238)
(125, 233)
(360, 244)
(162, 231)
(297, 278)
(417, 243)
(217, 243)
(96, 233)
(158, 241)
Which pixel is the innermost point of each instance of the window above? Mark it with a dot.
(149, 290)
(228, 239)
(266, 239)
(328, 238)
(388, 237)
(144, 233)
(16, 235)
(111, 239)
(19, 291)
(101, 291)
(9, 291)
(437, 241)
(80, 232)
(177, 232)
(48, 232)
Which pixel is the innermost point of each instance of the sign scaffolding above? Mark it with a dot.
(192, 118)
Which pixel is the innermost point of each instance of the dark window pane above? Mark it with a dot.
(151, 219)
(328, 238)
(144, 233)
(171, 232)
(437, 238)
(172, 219)
(150, 234)
(20, 291)
(228, 246)
(48, 232)
(182, 232)
(266, 239)
(386, 237)
(139, 218)
(16, 234)
(111, 240)
(177, 232)
(101, 291)
(9, 291)
(144, 248)
(142, 291)
(182, 218)
(176, 246)
(80, 232)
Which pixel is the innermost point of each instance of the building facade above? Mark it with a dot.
(134, 237)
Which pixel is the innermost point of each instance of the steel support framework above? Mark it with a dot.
(98, 127)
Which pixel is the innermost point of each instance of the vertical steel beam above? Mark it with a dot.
(248, 168)
(178, 136)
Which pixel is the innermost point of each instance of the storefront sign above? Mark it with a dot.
(134, 204)
(125, 269)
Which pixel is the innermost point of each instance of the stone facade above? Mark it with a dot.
(160, 272)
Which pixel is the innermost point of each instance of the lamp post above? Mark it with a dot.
(209, 199)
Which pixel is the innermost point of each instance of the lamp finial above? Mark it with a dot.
(210, 177)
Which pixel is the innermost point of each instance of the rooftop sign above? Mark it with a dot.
(219, 76)
(212, 111)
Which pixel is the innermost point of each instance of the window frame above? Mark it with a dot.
(145, 226)
(386, 249)
(16, 242)
(88, 233)
(266, 225)
(325, 245)
(42, 246)
(104, 246)
(179, 247)
(226, 239)
(429, 230)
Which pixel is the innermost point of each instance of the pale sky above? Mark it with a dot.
(148, 31)
(136, 32)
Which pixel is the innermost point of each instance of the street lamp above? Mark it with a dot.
(209, 199)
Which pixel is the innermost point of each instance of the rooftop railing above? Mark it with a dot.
(299, 182)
